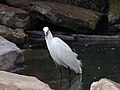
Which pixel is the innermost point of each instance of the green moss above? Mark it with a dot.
(12, 35)
(114, 7)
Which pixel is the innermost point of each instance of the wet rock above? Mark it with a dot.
(105, 84)
(13, 17)
(22, 82)
(15, 35)
(8, 87)
(114, 15)
(68, 16)
(38, 36)
(10, 55)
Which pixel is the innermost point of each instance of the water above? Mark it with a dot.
(100, 60)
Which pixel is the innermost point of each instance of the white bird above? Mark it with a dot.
(61, 53)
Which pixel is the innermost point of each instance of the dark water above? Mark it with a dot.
(100, 60)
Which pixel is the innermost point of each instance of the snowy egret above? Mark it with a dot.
(61, 53)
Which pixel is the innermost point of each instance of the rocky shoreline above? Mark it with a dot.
(94, 17)
(23, 20)
(11, 57)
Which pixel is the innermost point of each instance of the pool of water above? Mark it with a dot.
(99, 60)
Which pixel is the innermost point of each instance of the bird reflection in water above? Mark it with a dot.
(75, 84)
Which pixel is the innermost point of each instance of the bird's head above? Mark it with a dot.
(46, 30)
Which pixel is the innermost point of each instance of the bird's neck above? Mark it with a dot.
(49, 36)
(48, 39)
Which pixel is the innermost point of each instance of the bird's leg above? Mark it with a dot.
(69, 75)
(60, 76)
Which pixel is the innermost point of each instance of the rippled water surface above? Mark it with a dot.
(99, 60)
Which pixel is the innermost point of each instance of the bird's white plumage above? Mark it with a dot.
(61, 53)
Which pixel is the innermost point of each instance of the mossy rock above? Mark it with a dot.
(114, 12)
(17, 36)
(114, 16)
(69, 16)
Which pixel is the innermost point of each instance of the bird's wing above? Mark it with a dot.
(62, 45)
(64, 53)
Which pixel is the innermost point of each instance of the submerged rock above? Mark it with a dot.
(13, 17)
(17, 36)
(10, 55)
(105, 84)
(22, 82)
(68, 16)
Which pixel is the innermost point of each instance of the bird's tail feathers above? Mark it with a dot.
(79, 62)
(76, 55)
(80, 65)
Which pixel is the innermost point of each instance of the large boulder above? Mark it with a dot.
(14, 35)
(22, 82)
(10, 55)
(105, 84)
(13, 17)
(68, 16)
(8, 87)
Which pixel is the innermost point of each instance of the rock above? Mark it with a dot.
(38, 36)
(114, 29)
(105, 84)
(114, 15)
(10, 55)
(22, 82)
(19, 3)
(97, 5)
(8, 87)
(13, 17)
(68, 16)
(17, 36)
